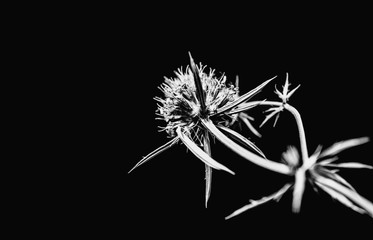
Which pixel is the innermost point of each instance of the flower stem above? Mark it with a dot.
(298, 119)
(302, 135)
(260, 161)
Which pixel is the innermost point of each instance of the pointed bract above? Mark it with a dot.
(243, 140)
(246, 119)
(342, 199)
(155, 153)
(350, 165)
(244, 97)
(254, 203)
(198, 152)
(208, 169)
(343, 145)
(260, 161)
(197, 81)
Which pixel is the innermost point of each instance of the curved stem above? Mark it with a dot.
(298, 119)
(243, 152)
(302, 135)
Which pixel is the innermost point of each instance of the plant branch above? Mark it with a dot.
(260, 161)
(298, 119)
(302, 135)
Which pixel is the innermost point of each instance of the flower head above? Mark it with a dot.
(184, 105)
(196, 103)
(317, 170)
(284, 96)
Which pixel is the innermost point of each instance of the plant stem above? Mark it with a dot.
(298, 119)
(260, 161)
(302, 135)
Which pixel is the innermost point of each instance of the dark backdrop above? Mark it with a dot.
(121, 61)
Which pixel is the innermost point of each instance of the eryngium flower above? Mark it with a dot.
(181, 106)
(196, 106)
(317, 170)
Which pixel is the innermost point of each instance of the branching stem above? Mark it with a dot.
(298, 119)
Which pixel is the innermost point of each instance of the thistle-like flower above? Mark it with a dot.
(196, 105)
(317, 170)
(314, 168)
(284, 96)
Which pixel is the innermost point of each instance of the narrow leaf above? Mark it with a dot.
(245, 118)
(245, 106)
(258, 160)
(313, 158)
(327, 161)
(350, 165)
(292, 91)
(332, 174)
(342, 199)
(198, 83)
(269, 116)
(276, 119)
(279, 94)
(348, 193)
(340, 146)
(208, 179)
(155, 152)
(242, 140)
(254, 203)
(340, 179)
(208, 169)
(236, 84)
(198, 152)
(244, 97)
(287, 84)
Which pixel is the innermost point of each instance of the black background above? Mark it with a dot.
(111, 65)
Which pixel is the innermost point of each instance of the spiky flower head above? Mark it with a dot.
(192, 95)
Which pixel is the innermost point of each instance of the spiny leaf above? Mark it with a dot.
(155, 152)
(285, 94)
(350, 165)
(340, 179)
(245, 118)
(236, 84)
(254, 203)
(243, 140)
(327, 161)
(342, 199)
(274, 166)
(274, 110)
(340, 146)
(347, 192)
(244, 97)
(246, 106)
(197, 81)
(292, 91)
(198, 152)
(332, 174)
(208, 179)
(208, 169)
